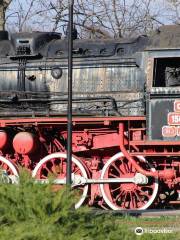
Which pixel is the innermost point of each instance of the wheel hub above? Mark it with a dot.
(128, 187)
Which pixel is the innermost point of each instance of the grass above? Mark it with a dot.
(31, 211)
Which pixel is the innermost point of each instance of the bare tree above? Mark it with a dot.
(3, 6)
(128, 18)
(93, 18)
(173, 11)
(29, 15)
(107, 18)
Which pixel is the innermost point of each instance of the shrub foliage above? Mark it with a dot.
(30, 211)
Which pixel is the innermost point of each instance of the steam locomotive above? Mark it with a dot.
(126, 116)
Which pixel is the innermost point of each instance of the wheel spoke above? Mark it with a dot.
(145, 194)
(125, 167)
(132, 205)
(43, 176)
(138, 197)
(76, 171)
(117, 169)
(149, 187)
(48, 170)
(119, 195)
(134, 200)
(113, 175)
(54, 166)
(115, 189)
(124, 200)
(130, 168)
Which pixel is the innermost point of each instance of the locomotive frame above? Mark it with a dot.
(100, 144)
(119, 162)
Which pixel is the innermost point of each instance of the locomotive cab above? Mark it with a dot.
(163, 96)
(163, 85)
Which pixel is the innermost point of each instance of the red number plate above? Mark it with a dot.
(173, 118)
(177, 106)
(169, 131)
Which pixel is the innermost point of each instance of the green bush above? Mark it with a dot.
(30, 211)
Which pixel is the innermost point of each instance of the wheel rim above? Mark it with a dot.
(127, 195)
(55, 165)
(10, 169)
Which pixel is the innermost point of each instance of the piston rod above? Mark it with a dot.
(79, 180)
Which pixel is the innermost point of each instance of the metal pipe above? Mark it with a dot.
(70, 76)
(167, 173)
(64, 101)
(38, 100)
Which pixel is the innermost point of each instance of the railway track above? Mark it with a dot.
(141, 213)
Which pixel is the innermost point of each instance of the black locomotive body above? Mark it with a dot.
(109, 76)
(110, 73)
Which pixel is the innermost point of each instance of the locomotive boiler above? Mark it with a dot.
(126, 115)
(36, 63)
